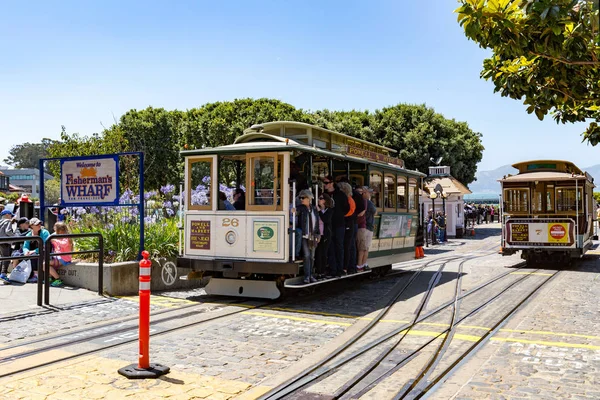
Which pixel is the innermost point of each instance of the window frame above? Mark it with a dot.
(413, 185)
(394, 191)
(250, 190)
(380, 173)
(188, 180)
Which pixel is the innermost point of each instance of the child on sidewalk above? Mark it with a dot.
(60, 245)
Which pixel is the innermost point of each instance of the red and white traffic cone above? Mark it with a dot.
(143, 369)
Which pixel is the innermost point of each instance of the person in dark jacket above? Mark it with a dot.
(325, 205)
(239, 199)
(338, 227)
(308, 220)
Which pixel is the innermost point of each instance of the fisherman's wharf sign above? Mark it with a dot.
(93, 181)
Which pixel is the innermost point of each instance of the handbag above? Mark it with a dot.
(21, 272)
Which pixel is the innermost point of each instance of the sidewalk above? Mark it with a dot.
(22, 297)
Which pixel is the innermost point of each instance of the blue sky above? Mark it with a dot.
(83, 64)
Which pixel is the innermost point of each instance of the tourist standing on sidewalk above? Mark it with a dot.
(6, 230)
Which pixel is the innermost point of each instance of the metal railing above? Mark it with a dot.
(48, 253)
(39, 256)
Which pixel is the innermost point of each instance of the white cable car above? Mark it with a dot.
(247, 252)
(547, 211)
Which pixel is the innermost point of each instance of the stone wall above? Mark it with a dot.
(123, 278)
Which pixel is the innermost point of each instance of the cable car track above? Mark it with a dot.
(321, 371)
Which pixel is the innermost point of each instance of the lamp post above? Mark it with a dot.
(444, 196)
(432, 196)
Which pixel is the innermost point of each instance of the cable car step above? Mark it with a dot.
(297, 282)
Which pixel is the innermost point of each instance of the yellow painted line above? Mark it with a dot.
(473, 338)
(531, 273)
(318, 321)
(325, 314)
(458, 336)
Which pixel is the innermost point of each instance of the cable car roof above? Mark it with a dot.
(547, 165)
(278, 143)
(541, 176)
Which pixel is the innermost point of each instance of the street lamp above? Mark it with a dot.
(433, 196)
(444, 196)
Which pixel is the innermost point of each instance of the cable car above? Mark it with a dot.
(247, 251)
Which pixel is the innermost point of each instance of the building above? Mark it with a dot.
(442, 189)
(26, 178)
(4, 183)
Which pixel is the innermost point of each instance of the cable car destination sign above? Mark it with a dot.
(90, 181)
(371, 155)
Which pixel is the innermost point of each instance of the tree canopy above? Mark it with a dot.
(27, 155)
(416, 131)
(544, 52)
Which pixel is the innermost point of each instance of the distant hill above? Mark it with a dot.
(595, 172)
(487, 181)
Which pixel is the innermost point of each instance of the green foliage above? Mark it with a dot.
(27, 155)
(122, 239)
(417, 132)
(52, 191)
(597, 197)
(544, 52)
(10, 197)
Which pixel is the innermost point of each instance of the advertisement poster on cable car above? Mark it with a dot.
(558, 232)
(266, 236)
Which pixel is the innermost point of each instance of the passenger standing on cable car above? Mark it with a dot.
(338, 228)
(350, 235)
(325, 205)
(359, 201)
(308, 219)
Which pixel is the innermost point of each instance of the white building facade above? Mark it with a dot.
(442, 189)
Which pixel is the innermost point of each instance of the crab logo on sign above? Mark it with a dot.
(557, 232)
(169, 273)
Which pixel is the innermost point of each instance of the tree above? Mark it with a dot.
(544, 52)
(416, 132)
(27, 155)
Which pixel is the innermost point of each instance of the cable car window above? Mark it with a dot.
(232, 175)
(516, 200)
(200, 181)
(263, 186)
(537, 199)
(413, 193)
(375, 183)
(401, 192)
(565, 199)
(389, 192)
(550, 198)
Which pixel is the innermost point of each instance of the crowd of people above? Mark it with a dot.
(12, 226)
(481, 213)
(333, 236)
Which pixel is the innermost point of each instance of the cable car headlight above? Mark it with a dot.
(230, 237)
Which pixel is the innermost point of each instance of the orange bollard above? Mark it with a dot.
(143, 369)
(417, 252)
(421, 252)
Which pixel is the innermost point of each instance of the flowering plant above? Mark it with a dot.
(120, 226)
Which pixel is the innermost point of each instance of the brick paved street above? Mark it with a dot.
(550, 349)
